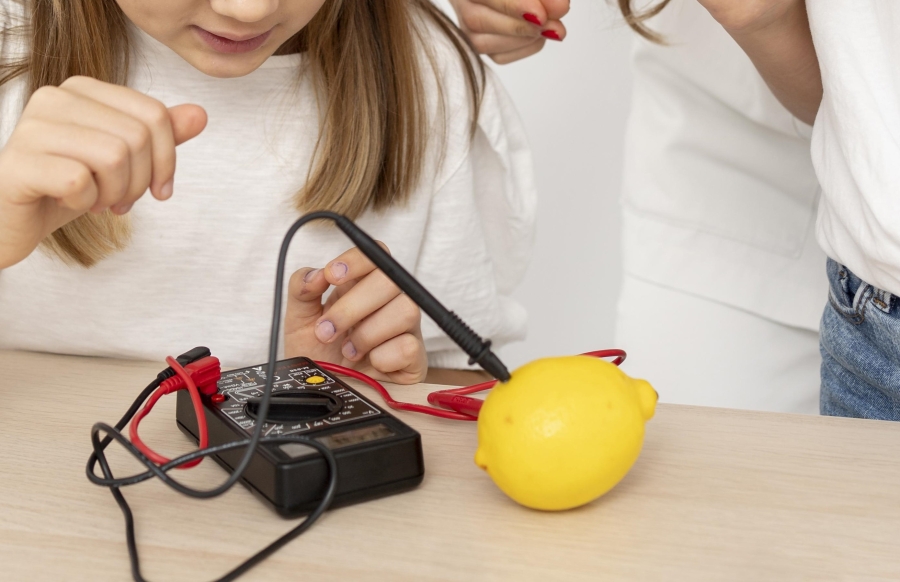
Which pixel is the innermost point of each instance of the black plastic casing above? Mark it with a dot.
(294, 486)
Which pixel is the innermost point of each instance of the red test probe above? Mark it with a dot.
(456, 399)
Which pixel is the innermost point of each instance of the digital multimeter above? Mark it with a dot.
(376, 454)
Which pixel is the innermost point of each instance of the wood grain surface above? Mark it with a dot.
(716, 495)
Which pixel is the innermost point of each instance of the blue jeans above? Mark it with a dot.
(860, 345)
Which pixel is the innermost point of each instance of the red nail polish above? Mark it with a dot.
(551, 34)
(532, 18)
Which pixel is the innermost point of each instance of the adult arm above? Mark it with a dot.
(775, 35)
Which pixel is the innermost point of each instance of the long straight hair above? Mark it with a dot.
(366, 65)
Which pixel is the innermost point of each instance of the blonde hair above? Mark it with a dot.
(637, 20)
(364, 58)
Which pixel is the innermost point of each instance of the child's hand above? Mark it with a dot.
(85, 146)
(367, 323)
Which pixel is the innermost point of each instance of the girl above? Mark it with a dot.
(376, 110)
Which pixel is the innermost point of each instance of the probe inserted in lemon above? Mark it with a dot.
(563, 431)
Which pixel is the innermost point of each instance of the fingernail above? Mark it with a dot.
(123, 209)
(325, 330)
(339, 270)
(349, 350)
(166, 191)
(551, 34)
(532, 18)
(310, 275)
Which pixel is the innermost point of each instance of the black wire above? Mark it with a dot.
(251, 444)
(144, 395)
(253, 560)
(270, 374)
(468, 340)
(98, 455)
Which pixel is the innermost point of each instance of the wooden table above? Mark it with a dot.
(716, 495)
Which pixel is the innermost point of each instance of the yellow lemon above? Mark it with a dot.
(563, 431)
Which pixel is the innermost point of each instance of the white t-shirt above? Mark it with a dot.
(856, 136)
(719, 191)
(200, 267)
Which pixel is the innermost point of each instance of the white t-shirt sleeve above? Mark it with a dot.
(486, 206)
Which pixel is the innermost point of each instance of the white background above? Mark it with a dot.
(573, 98)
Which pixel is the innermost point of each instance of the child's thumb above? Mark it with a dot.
(187, 122)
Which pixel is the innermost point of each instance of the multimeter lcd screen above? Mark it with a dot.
(343, 439)
(356, 436)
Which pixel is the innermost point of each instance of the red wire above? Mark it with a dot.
(460, 408)
(151, 402)
(395, 404)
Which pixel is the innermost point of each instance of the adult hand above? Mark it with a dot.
(509, 30)
(85, 146)
(366, 323)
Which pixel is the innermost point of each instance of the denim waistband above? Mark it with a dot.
(851, 285)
